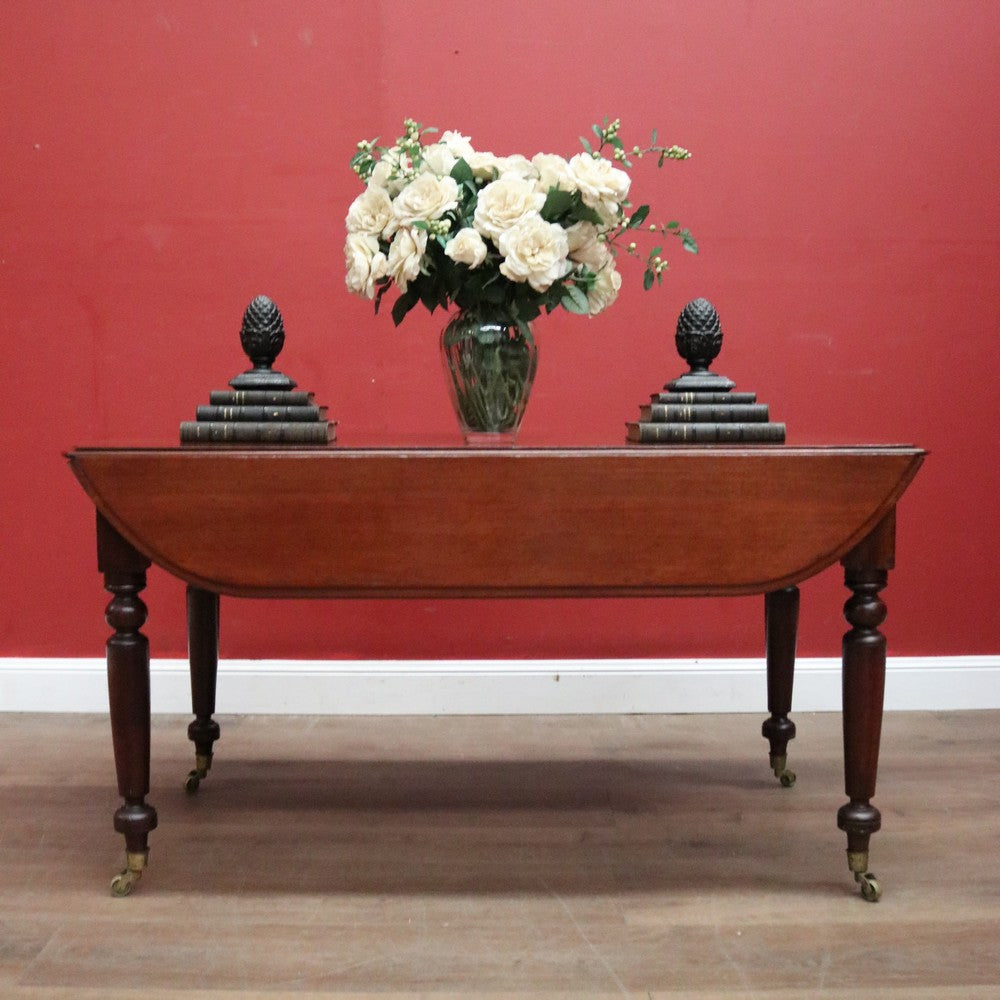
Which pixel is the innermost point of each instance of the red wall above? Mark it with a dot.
(162, 163)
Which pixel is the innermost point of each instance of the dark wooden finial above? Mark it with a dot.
(699, 340)
(262, 336)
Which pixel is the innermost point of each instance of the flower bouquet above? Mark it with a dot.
(501, 238)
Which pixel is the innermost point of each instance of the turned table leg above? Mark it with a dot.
(203, 654)
(124, 572)
(781, 619)
(865, 574)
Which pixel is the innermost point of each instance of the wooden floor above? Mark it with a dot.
(551, 857)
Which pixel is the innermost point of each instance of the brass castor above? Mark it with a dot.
(123, 883)
(781, 772)
(202, 763)
(871, 891)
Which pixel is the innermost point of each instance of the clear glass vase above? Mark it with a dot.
(490, 362)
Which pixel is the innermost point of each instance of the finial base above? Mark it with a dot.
(700, 382)
(262, 378)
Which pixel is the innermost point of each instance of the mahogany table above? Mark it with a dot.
(608, 522)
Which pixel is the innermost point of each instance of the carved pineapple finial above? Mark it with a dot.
(699, 334)
(699, 340)
(262, 336)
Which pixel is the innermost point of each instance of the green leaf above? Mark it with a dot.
(574, 300)
(462, 173)
(403, 305)
(530, 312)
(557, 203)
(583, 213)
(673, 225)
(383, 285)
(647, 280)
(586, 145)
(429, 296)
(638, 217)
(494, 293)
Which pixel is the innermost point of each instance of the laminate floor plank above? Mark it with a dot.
(543, 857)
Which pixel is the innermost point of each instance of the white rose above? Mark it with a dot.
(503, 203)
(467, 247)
(553, 171)
(534, 251)
(585, 248)
(483, 165)
(610, 213)
(517, 166)
(379, 177)
(438, 159)
(405, 254)
(603, 186)
(370, 212)
(604, 291)
(426, 198)
(598, 179)
(459, 145)
(366, 264)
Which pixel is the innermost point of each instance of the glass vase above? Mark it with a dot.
(490, 362)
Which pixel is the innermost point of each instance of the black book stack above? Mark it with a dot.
(262, 406)
(700, 406)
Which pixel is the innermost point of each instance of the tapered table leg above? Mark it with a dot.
(203, 654)
(781, 620)
(865, 574)
(124, 572)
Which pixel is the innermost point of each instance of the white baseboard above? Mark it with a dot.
(498, 687)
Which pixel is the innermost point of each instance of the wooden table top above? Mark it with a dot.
(495, 522)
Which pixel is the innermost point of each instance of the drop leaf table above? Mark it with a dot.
(264, 522)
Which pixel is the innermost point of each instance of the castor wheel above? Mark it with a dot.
(781, 772)
(123, 883)
(202, 764)
(871, 891)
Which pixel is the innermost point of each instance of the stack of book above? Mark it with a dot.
(704, 418)
(259, 416)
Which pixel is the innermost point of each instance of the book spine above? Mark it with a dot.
(718, 413)
(260, 397)
(247, 432)
(699, 398)
(648, 433)
(259, 414)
